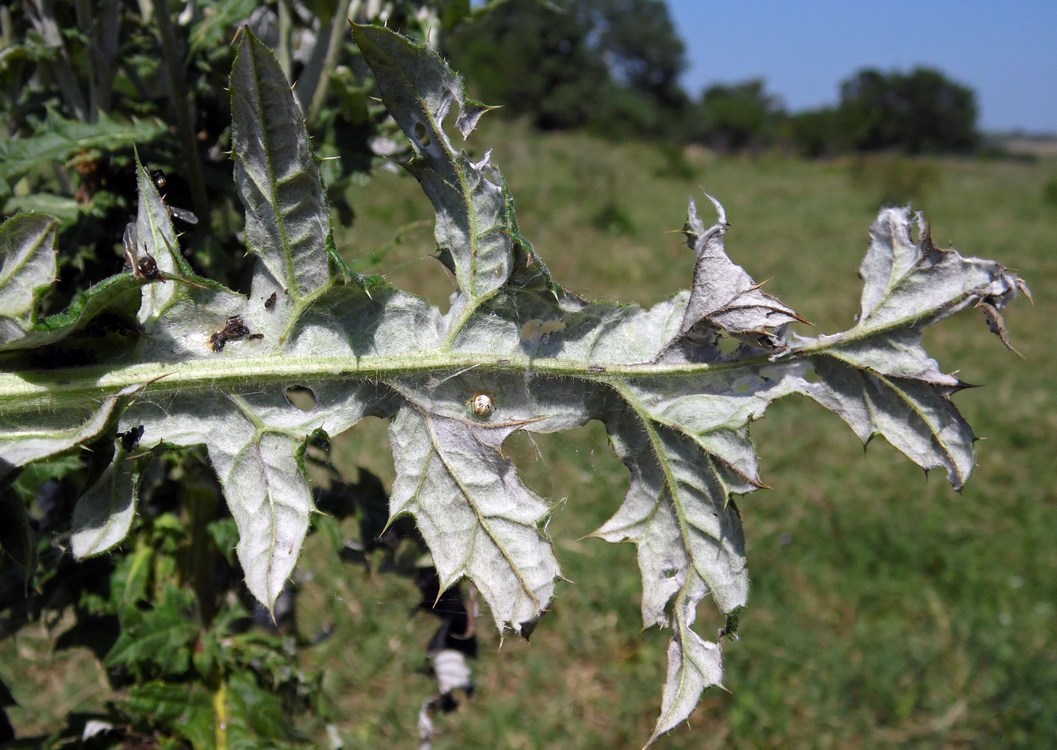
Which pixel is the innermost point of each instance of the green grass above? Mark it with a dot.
(886, 610)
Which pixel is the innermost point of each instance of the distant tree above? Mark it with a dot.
(817, 133)
(612, 65)
(736, 117)
(639, 44)
(918, 112)
(532, 60)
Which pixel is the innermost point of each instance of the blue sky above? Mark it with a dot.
(1005, 51)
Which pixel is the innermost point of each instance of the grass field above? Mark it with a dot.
(886, 610)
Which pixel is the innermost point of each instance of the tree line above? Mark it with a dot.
(613, 66)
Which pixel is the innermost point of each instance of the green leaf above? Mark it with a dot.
(181, 709)
(130, 582)
(159, 640)
(67, 210)
(255, 715)
(57, 139)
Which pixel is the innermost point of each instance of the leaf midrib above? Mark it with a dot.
(63, 388)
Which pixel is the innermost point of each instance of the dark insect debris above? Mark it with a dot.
(130, 439)
(233, 330)
(160, 181)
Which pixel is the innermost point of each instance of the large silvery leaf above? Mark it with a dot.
(311, 350)
(28, 437)
(877, 376)
(152, 237)
(254, 439)
(104, 513)
(476, 232)
(286, 213)
(479, 521)
(477, 517)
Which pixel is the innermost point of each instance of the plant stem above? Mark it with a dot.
(181, 115)
(220, 716)
(338, 29)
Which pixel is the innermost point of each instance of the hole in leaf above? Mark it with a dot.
(728, 345)
(591, 473)
(301, 397)
(422, 134)
(354, 449)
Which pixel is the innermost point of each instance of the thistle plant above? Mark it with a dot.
(676, 386)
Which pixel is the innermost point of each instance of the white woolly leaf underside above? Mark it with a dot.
(513, 352)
